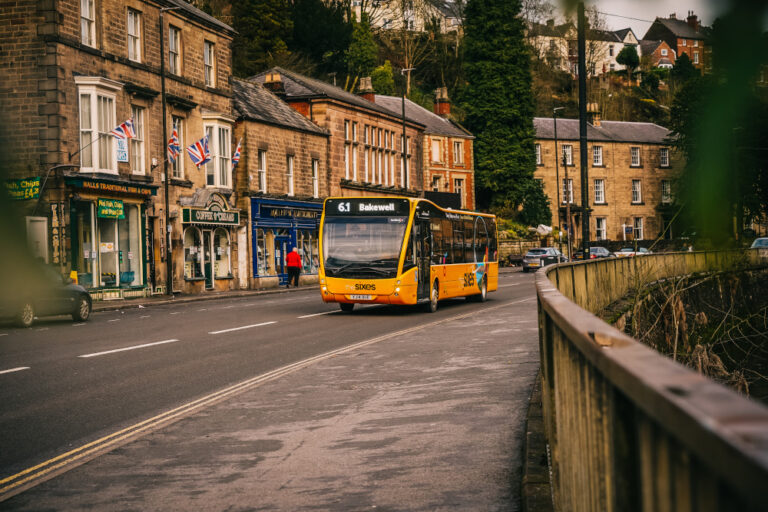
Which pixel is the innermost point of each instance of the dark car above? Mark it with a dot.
(48, 293)
(594, 253)
(540, 257)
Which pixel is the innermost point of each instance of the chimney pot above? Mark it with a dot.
(673, 16)
(693, 21)
(442, 103)
(365, 89)
(274, 82)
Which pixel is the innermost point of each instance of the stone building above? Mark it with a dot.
(280, 182)
(76, 69)
(631, 168)
(365, 145)
(448, 149)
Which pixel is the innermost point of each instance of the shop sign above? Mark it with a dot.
(290, 213)
(110, 209)
(116, 188)
(211, 215)
(28, 188)
(122, 150)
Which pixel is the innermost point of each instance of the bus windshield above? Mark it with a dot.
(362, 247)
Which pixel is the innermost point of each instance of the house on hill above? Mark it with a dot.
(687, 37)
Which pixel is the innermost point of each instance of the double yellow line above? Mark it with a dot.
(30, 477)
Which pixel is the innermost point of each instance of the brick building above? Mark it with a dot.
(448, 148)
(684, 37)
(365, 145)
(280, 182)
(75, 69)
(632, 171)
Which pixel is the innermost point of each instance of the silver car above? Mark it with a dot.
(541, 257)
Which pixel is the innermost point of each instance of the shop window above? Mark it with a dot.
(129, 247)
(137, 142)
(262, 253)
(193, 254)
(221, 253)
(85, 254)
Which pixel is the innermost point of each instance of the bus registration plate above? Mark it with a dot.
(361, 297)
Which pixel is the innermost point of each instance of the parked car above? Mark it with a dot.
(540, 257)
(761, 243)
(48, 293)
(594, 253)
(630, 251)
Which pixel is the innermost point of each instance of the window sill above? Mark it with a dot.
(194, 279)
(600, 204)
(181, 183)
(635, 166)
(642, 203)
(223, 278)
(600, 166)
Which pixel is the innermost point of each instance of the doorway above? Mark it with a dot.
(281, 249)
(423, 248)
(207, 261)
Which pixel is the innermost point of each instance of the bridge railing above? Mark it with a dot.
(628, 428)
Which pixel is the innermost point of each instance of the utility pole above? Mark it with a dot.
(405, 139)
(557, 174)
(583, 131)
(166, 179)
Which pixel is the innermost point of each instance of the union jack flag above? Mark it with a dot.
(199, 153)
(236, 156)
(173, 147)
(124, 130)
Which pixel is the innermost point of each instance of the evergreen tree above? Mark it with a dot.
(361, 55)
(321, 33)
(383, 79)
(628, 58)
(264, 29)
(498, 101)
(683, 70)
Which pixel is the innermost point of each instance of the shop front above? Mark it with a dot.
(110, 245)
(277, 227)
(208, 232)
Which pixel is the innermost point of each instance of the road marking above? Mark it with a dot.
(204, 309)
(42, 329)
(4, 334)
(20, 368)
(145, 316)
(175, 312)
(14, 484)
(318, 314)
(78, 325)
(508, 285)
(128, 348)
(241, 328)
(114, 320)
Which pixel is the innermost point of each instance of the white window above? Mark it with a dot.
(637, 193)
(289, 174)
(262, 171)
(209, 59)
(458, 188)
(600, 228)
(537, 148)
(365, 134)
(599, 191)
(392, 168)
(684, 43)
(174, 50)
(666, 192)
(568, 154)
(87, 23)
(354, 161)
(695, 57)
(218, 170)
(597, 155)
(366, 163)
(315, 178)
(567, 191)
(634, 153)
(354, 132)
(386, 165)
(346, 161)
(638, 228)
(695, 43)
(380, 167)
(346, 130)
(435, 183)
(134, 35)
(177, 167)
(612, 66)
(663, 52)
(664, 157)
(137, 142)
(435, 150)
(458, 152)
(97, 118)
(610, 50)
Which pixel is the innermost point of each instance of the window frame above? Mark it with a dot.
(137, 144)
(632, 151)
(177, 167)
(222, 163)
(261, 170)
(601, 234)
(95, 88)
(174, 50)
(597, 156)
(666, 192)
(458, 152)
(567, 150)
(315, 178)
(637, 193)
(90, 21)
(537, 152)
(567, 191)
(599, 199)
(458, 185)
(134, 40)
(290, 161)
(209, 63)
(638, 227)
(663, 157)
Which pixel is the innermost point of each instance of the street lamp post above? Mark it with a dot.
(557, 173)
(405, 139)
(166, 180)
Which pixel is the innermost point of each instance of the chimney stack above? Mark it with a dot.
(693, 21)
(365, 89)
(673, 16)
(274, 82)
(551, 23)
(593, 112)
(442, 103)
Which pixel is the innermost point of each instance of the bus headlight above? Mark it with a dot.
(325, 289)
(397, 290)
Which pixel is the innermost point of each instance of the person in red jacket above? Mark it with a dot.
(293, 262)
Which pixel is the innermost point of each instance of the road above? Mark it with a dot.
(63, 385)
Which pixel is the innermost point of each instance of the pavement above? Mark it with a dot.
(428, 418)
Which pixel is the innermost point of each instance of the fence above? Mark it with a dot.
(628, 428)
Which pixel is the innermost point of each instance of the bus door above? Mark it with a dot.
(423, 246)
(281, 248)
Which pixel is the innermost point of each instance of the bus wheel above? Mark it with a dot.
(346, 307)
(432, 305)
(483, 291)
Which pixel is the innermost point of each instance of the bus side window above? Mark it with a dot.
(493, 249)
(469, 252)
(446, 248)
(481, 239)
(409, 261)
(437, 242)
(458, 241)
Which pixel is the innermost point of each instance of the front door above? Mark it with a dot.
(423, 254)
(281, 247)
(207, 255)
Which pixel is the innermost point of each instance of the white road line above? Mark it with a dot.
(114, 320)
(42, 329)
(204, 309)
(508, 285)
(78, 325)
(128, 348)
(175, 312)
(4, 334)
(20, 368)
(318, 314)
(241, 328)
(145, 316)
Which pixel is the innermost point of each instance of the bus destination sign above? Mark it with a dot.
(373, 206)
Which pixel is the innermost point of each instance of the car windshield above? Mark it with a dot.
(364, 247)
(537, 252)
(626, 249)
(760, 242)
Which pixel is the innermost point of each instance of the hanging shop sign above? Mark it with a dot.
(110, 209)
(214, 214)
(28, 188)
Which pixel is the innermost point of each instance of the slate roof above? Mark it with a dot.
(680, 28)
(413, 112)
(648, 46)
(608, 131)
(301, 87)
(252, 102)
(621, 34)
(603, 35)
(196, 13)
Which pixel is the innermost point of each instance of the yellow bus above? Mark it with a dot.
(397, 250)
